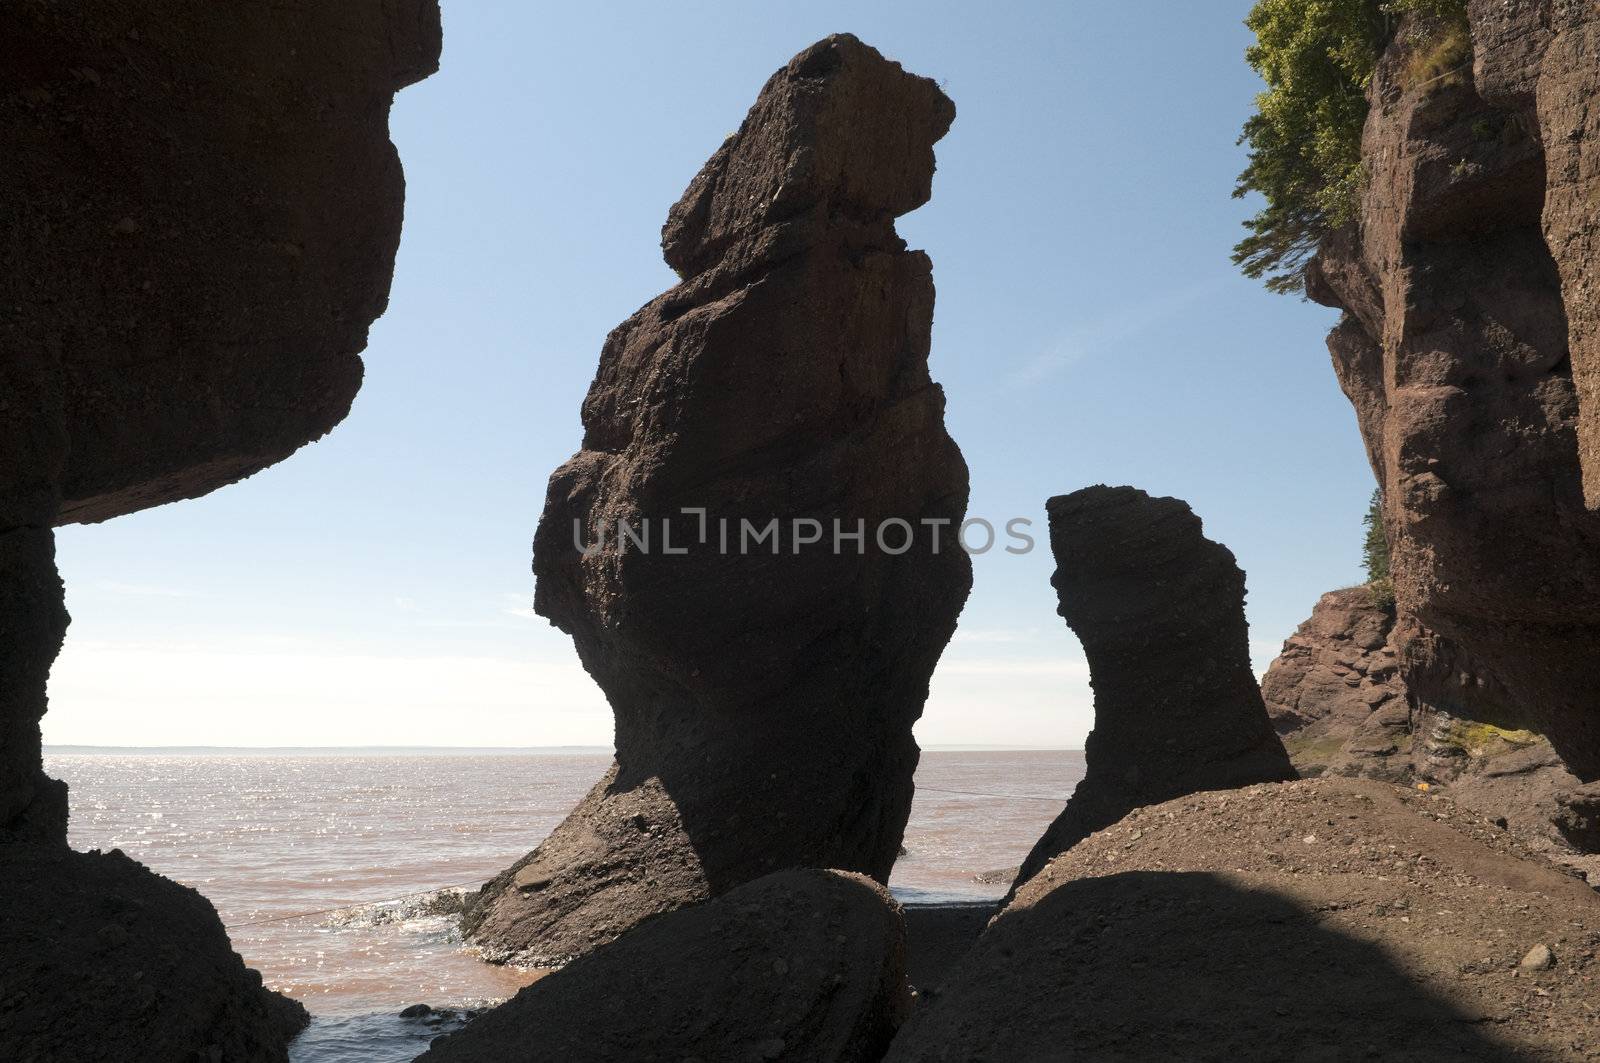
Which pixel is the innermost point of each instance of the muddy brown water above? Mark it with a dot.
(353, 837)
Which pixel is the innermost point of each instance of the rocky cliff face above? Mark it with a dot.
(1159, 609)
(1540, 60)
(1335, 694)
(203, 207)
(1336, 697)
(764, 694)
(1468, 347)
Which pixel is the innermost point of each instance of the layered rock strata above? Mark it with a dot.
(799, 965)
(1335, 695)
(1159, 609)
(764, 692)
(1468, 348)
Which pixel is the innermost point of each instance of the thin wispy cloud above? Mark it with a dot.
(145, 590)
(1096, 337)
(518, 605)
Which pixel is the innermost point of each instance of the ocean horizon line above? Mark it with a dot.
(79, 749)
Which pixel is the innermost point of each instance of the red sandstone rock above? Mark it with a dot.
(1335, 695)
(763, 702)
(1466, 350)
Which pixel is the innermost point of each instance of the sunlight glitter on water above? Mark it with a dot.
(352, 838)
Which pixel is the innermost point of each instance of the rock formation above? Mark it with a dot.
(195, 254)
(1159, 609)
(1336, 697)
(797, 966)
(1325, 919)
(764, 693)
(1469, 349)
(203, 209)
(1578, 818)
(102, 960)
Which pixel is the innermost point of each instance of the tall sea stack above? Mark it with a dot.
(1159, 609)
(764, 690)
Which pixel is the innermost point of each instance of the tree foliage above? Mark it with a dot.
(1375, 553)
(1317, 58)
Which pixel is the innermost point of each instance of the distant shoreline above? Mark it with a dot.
(435, 751)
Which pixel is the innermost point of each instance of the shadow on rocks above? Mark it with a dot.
(1164, 965)
(797, 967)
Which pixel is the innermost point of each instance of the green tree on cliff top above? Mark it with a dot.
(1317, 58)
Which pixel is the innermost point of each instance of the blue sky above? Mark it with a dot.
(1090, 328)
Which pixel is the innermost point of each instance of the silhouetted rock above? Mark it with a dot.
(803, 966)
(1325, 919)
(1469, 350)
(764, 695)
(202, 210)
(102, 960)
(1159, 609)
(33, 621)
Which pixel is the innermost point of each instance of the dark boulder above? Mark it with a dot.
(802, 966)
(1577, 817)
(100, 959)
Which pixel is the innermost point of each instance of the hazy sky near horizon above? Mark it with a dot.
(375, 588)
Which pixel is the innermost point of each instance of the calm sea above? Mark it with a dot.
(315, 859)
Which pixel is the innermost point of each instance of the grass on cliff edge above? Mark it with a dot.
(1317, 58)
